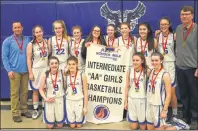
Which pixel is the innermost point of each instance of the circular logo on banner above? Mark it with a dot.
(101, 112)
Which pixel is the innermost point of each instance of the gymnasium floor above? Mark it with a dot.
(7, 122)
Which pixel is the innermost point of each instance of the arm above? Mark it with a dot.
(42, 89)
(155, 44)
(29, 60)
(196, 72)
(49, 46)
(148, 72)
(174, 36)
(126, 90)
(157, 32)
(135, 44)
(84, 50)
(5, 59)
(5, 54)
(64, 81)
(167, 82)
(84, 79)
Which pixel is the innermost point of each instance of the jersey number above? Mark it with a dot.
(56, 88)
(60, 52)
(45, 55)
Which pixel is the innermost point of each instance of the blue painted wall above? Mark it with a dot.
(85, 14)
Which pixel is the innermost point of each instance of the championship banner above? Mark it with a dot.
(106, 77)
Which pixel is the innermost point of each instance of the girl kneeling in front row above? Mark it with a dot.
(76, 94)
(159, 96)
(52, 91)
(135, 92)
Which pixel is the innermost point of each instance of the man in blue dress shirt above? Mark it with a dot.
(14, 61)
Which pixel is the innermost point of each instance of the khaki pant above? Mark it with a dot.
(19, 82)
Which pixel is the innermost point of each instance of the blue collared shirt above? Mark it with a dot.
(13, 59)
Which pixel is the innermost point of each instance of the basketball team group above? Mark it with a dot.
(55, 70)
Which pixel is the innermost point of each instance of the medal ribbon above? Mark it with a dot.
(153, 79)
(42, 49)
(188, 32)
(59, 47)
(73, 85)
(19, 45)
(143, 49)
(109, 41)
(75, 47)
(137, 82)
(128, 41)
(54, 81)
(164, 44)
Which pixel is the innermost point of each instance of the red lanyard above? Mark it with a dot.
(59, 47)
(164, 44)
(128, 41)
(42, 49)
(188, 32)
(54, 81)
(136, 81)
(76, 48)
(109, 41)
(153, 79)
(73, 84)
(19, 45)
(143, 49)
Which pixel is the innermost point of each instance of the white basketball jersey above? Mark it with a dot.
(61, 54)
(169, 51)
(58, 91)
(147, 53)
(125, 43)
(77, 46)
(111, 43)
(78, 85)
(142, 85)
(39, 60)
(159, 95)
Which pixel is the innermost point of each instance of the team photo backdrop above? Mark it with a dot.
(86, 14)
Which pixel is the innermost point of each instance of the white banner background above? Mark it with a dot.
(102, 111)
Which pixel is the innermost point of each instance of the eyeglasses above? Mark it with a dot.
(96, 31)
(164, 24)
(187, 14)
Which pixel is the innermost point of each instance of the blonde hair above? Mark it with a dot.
(65, 36)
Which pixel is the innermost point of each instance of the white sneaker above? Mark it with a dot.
(181, 124)
(35, 114)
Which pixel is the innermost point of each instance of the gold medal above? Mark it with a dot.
(72, 93)
(164, 54)
(136, 90)
(43, 58)
(184, 44)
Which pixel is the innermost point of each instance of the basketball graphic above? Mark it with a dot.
(101, 112)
